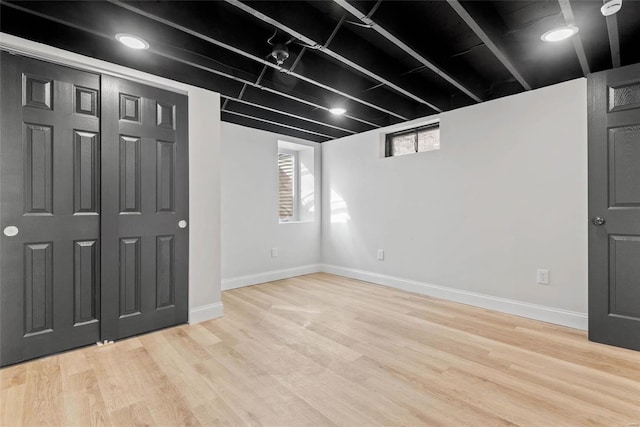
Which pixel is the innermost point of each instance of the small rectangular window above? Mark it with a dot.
(425, 138)
(296, 182)
(287, 186)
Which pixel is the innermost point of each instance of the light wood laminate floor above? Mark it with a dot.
(325, 350)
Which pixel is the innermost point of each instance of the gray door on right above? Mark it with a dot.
(614, 207)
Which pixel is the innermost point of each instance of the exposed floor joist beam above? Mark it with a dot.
(190, 63)
(295, 116)
(614, 41)
(326, 50)
(271, 122)
(252, 57)
(400, 44)
(567, 12)
(482, 35)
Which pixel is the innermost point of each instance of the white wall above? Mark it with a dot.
(505, 195)
(204, 170)
(250, 225)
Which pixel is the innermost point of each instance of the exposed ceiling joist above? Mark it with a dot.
(286, 113)
(567, 12)
(271, 122)
(253, 57)
(482, 35)
(312, 104)
(324, 49)
(217, 46)
(614, 41)
(400, 44)
(256, 85)
(190, 63)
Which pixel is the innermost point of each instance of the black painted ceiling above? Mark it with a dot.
(384, 61)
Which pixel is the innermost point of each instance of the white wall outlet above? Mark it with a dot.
(381, 254)
(274, 252)
(542, 277)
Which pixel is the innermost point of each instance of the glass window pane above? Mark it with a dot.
(429, 139)
(403, 144)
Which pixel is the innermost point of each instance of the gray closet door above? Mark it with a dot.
(49, 209)
(614, 207)
(144, 208)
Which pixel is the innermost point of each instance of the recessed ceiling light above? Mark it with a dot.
(132, 41)
(611, 7)
(337, 111)
(558, 34)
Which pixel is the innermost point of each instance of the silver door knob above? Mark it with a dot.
(182, 223)
(10, 231)
(598, 220)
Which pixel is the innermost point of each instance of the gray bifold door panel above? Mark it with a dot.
(614, 207)
(93, 184)
(145, 195)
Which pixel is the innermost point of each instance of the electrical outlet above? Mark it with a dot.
(381, 254)
(274, 252)
(543, 276)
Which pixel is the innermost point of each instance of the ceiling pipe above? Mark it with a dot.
(322, 48)
(403, 46)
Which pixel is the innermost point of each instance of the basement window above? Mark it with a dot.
(296, 182)
(287, 185)
(417, 140)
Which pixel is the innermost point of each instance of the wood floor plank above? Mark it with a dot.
(322, 350)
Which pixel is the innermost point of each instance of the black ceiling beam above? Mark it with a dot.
(317, 66)
(266, 98)
(276, 116)
(190, 62)
(490, 42)
(256, 124)
(274, 123)
(247, 54)
(567, 12)
(323, 47)
(366, 19)
(614, 41)
(292, 115)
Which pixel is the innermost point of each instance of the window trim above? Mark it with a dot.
(388, 146)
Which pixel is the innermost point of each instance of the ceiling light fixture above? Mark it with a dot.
(337, 111)
(559, 34)
(132, 41)
(611, 7)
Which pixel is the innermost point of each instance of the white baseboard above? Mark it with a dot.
(558, 316)
(205, 312)
(268, 276)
